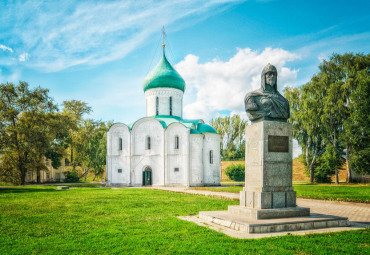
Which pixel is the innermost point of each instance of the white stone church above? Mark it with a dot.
(162, 148)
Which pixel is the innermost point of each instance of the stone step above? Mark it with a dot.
(254, 213)
(250, 225)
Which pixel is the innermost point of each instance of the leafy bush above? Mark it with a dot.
(71, 176)
(235, 172)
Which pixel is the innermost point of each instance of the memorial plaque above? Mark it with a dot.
(278, 143)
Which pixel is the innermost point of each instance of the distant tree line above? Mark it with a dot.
(33, 129)
(330, 116)
(231, 130)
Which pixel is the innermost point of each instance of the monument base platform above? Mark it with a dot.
(251, 225)
(276, 213)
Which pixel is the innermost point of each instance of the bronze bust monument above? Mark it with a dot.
(267, 103)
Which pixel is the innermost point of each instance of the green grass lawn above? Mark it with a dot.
(42, 220)
(339, 192)
(81, 184)
(234, 183)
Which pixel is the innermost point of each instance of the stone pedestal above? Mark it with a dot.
(268, 201)
(268, 170)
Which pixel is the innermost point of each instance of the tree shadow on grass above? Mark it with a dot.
(25, 190)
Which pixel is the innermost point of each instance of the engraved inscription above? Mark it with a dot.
(278, 143)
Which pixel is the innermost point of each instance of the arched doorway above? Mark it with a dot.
(147, 176)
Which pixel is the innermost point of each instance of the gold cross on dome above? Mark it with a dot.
(164, 36)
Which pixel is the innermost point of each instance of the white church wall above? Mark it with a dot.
(118, 158)
(163, 95)
(211, 169)
(120, 171)
(142, 157)
(196, 159)
(177, 160)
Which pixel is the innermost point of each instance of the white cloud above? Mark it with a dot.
(219, 86)
(23, 57)
(6, 48)
(60, 35)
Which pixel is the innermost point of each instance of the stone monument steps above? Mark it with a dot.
(249, 225)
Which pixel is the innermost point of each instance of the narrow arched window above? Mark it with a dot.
(120, 144)
(170, 105)
(156, 106)
(211, 157)
(177, 142)
(147, 145)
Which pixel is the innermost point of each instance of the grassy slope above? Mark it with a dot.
(299, 172)
(342, 192)
(39, 220)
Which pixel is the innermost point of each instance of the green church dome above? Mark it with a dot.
(164, 76)
(204, 128)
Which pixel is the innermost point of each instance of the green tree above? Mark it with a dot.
(231, 130)
(346, 105)
(30, 130)
(306, 109)
(355, 132)
(50, 133)
(357, 126)
(333, 113)
(330, 116)
(91, 147)
(87, 139)
(74, 110)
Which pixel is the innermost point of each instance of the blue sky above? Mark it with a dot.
(100, 51)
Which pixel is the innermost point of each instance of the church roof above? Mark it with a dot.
(196, 126)
(164, 76)
(204, 128)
